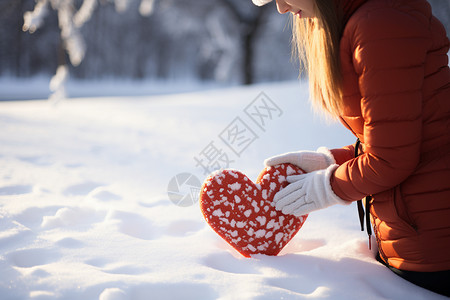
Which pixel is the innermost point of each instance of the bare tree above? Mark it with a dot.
(250, 19)
(70, 19)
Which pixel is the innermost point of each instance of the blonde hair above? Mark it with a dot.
(316, 43)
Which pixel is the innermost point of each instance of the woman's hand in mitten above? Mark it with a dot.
(306, 160)
(307, 192)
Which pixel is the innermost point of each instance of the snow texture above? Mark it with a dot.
(84, 211)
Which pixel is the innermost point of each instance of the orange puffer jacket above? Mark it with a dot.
(397, 102)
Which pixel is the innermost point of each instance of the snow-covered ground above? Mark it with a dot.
(85, 211)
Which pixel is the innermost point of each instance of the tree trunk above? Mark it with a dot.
(250, 35)
(250, 27)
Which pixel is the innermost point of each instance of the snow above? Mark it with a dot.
(85, 214)
(235, 186)
(57, 84)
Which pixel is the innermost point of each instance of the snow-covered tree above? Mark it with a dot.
(229, 41)
(70, 19)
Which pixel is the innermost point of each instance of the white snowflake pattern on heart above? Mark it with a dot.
(242, 213)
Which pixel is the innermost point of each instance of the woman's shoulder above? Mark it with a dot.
(382, 19)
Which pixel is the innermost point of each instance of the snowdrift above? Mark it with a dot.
(85, 211)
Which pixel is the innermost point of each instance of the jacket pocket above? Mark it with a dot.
(389, 208)
(402, 209)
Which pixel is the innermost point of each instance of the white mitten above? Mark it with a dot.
(307, 192)
(307, 160)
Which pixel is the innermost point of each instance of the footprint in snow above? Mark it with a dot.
(32, 216)
(184, 227)
(110, 267)
(70, 243)
(126, 270)
(226, 262)
(132, 224)
(32, 257)
(37, 160)
(154, 203)
(73, 165)
(103, 194)
(298, 245)
(181, 290)
(72, 217)
(81, 189)
(13, 190)
(299, 285)
(12, 233)
(97, 262)
(39, 273)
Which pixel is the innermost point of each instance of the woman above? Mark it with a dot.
(381, 67)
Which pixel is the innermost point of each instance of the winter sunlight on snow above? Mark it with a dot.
(112, 115)
(85, 214)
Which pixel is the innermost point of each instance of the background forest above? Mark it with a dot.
(226, 41)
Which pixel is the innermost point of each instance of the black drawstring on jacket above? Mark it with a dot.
(367, 203)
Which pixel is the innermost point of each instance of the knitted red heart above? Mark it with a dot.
(242, 213)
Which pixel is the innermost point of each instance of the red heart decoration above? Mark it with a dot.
(242, 212)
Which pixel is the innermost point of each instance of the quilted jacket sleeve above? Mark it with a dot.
(344, 154)
(389, 51)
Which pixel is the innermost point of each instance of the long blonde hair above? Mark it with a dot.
(316, 43)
